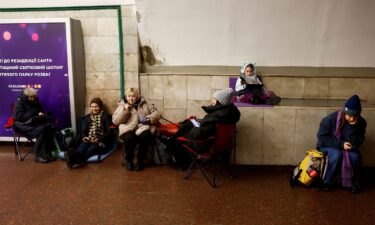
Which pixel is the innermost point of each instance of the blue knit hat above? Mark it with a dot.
(353, 106)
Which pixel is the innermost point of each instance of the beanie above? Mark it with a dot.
(224, 96)
(353, 106)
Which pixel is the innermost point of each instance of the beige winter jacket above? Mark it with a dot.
(129, 120)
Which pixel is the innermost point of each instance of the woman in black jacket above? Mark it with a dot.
(93, 135)
(221, 110)
(31, 120)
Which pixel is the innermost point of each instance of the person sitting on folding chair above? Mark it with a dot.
(93, 136)
(31, 121)
(221, 110)
(137, 120)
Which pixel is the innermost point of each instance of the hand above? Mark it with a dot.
(41, 114)
(86, 139)
(126, 106)
(347, 146)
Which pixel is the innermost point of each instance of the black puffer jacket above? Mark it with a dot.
(26, 109)
(215, 114)
(26, 115)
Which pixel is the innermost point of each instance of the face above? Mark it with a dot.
(31, 98)
(95, 108)
(249, 71)
(351, 119)
(131, 97)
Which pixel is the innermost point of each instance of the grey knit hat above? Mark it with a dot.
(224, 96)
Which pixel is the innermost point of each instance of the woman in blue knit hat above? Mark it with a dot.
(340, 136)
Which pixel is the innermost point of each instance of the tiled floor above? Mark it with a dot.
(105, 193)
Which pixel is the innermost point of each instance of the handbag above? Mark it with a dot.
(160, 154)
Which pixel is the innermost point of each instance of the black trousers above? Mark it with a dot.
(45, 142)
(130, 143)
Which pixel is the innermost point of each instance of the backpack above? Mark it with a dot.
(65, 138)
(311, 169)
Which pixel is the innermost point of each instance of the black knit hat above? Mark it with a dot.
(353, 106)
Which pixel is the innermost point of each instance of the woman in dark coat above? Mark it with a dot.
(32, 122)
(93, 135)
(221, 110)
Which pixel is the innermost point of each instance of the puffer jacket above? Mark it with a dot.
(215, 114)
(129, 120)
(25, 109)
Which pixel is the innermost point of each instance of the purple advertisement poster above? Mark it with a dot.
(36, 55)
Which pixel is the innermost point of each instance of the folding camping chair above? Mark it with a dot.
(221, 146)
(19, 137)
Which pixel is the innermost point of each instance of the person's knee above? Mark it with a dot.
(355, 157)
(335, 156)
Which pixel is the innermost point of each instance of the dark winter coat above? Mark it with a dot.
(26, 116)
(84, 126)
(354, 134)
(215, 114)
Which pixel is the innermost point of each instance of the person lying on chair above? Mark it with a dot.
(33, 122)
(93, 135)
(221, 110)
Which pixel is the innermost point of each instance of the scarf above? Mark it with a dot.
(346, 168)
(96, 130)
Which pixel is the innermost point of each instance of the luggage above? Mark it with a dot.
(312, 169)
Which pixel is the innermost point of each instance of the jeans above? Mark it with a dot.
(335, 161)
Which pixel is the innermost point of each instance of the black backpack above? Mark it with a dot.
(65, 138)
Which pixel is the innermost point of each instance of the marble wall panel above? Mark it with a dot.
(250, 131)
(156, 87)
(104, 45)
(107, 26)
(278, 138)
(219, 82)
(340, 88)
(291, 87)
(175, 92)
(367, 149)
(102, 62)
(198, 87)
(307, 125)
(316, 88)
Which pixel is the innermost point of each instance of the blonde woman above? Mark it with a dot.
(136, 120)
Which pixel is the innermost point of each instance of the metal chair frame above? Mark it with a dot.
(202, 160)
